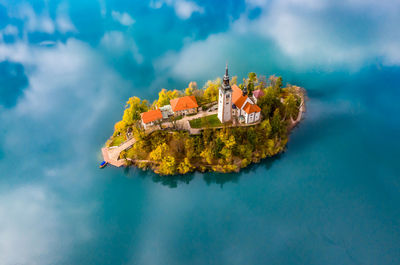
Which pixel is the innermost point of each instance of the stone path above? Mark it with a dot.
(111, 154)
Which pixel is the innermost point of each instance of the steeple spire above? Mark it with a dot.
(225, 83)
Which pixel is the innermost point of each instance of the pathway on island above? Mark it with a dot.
(111, 154)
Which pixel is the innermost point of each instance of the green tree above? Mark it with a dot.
(291, 107)
(252, 77)
(277, 127)
(278, 84)
(269, 102)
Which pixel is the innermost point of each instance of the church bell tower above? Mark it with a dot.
(225, 99)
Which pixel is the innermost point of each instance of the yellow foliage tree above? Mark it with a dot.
(160, 152)
(119, 127)
(207, 154)
(185, 166)
(167, 166)
(166, 95)
(191, 89)
(211, 90)
(134, 106)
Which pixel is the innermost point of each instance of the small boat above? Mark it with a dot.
(103, 164)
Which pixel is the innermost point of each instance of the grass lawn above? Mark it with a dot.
(117, 140)
(207, 121)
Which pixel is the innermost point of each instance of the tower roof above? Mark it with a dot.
(226, 76)
(225, 84)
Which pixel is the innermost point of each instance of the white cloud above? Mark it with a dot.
(303, 33)
(70, 87)
(42, 22)
(31, 225)
(63, 21)
(183, 8)
(103, 8)
(10, 30)
(118, 43)
(123, 18)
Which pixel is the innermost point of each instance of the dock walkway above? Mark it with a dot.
(111, 154)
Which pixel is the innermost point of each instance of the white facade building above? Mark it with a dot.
(235, 103)
(245, 109)
(225, 99)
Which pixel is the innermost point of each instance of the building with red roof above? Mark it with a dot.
(150, 117)
(184, 105)
(244, 107)
(257, 94)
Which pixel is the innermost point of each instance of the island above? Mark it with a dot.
(223, 127)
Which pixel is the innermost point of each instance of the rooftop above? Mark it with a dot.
(258, 93)
(251, 108)
(237, 96)
(183, 103)
(151, 115)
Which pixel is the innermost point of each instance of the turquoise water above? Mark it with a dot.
(66, 68)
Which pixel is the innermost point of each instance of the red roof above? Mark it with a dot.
(237, 96)
(151, 115)
(251, 108)
(183, 103)
(258, 93)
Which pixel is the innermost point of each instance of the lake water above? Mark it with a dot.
(67, 67)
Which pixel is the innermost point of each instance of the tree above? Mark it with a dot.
(191, 88)
(208, 154)
(164, 96)
(252, 77)
(190, 147)
(211, 90)
(160, 152)
(276, 123)
(167, 166)
(119, 127)
(269, 102)
(185, 166)
(262, 82)
(250, 87)
(234, 80)
(134, 106)
(252, 137)
(291, 108)
(278, 84)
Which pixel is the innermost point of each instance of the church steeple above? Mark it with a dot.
(225, 99)
(225, 84)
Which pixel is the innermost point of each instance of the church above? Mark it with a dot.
(234, 103)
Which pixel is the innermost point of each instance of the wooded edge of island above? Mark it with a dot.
(186, 131)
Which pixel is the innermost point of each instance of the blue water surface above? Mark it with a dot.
(67, 67)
